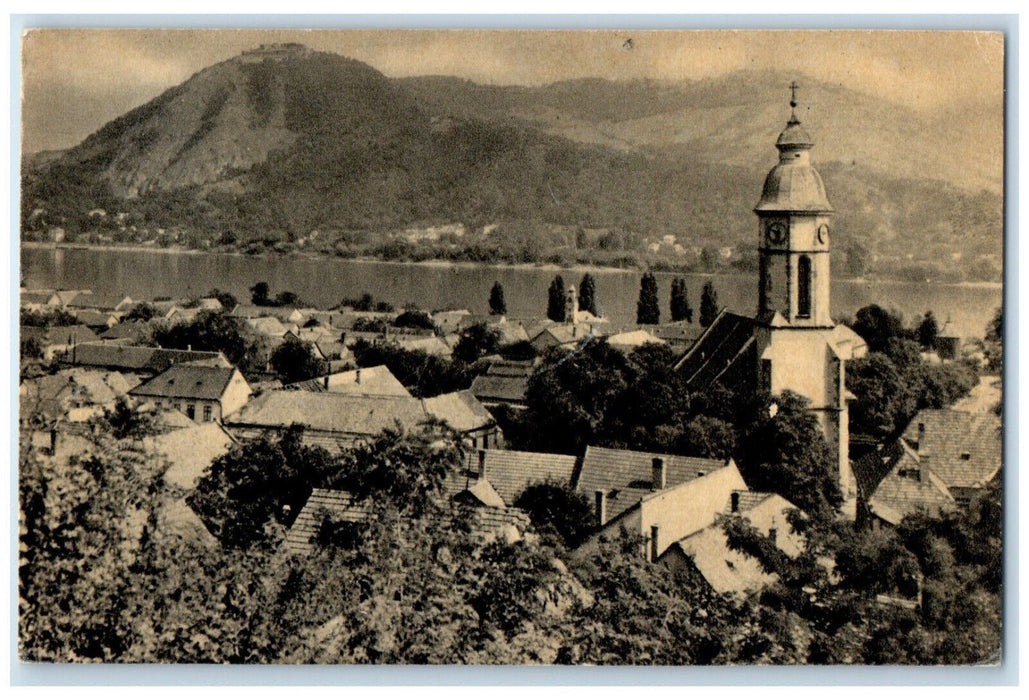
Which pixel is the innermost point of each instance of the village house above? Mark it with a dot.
(509, 472)
(204, 394)
(617, 480)
(39, 299)
(99, 302)
(707, 556)
(143, 362)
(663, 514)
(505, 383)
(363, 381)
(98, 321)
(942, 460)
(58, 342)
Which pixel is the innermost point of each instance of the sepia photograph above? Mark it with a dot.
(511, 347)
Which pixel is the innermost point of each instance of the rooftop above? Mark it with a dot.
(188, 381)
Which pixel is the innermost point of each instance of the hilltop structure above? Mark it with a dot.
(792, 344)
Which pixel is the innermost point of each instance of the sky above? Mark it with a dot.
(75, 80)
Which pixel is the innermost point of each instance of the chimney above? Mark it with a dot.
(482, 464)
(326, 382)
(601, 500)
(653, 542)
(358, 376)
(658, 474)
(773, 534)
(189, 347)
(734, 499)
(53, 441)
(921, 436)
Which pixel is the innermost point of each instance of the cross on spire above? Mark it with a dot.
(793, 93)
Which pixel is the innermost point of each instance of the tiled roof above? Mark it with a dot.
(963, 449)
(36, 297)
(634, 339)
(267, 325)
(127, 329)
(491, 388)
(88, 317)
(88, 300)
(893, 483)
(430, 345)
(510, 471)
(188, 381)
(367, 381)
(60, 335)
(460, 410)
(724, 343)
(132, 358)
(727, 570)
(53, 395)
(335, 413)
(627, 475)
(486, 522)
(190, 451)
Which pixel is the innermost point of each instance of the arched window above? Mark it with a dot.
(804, 287)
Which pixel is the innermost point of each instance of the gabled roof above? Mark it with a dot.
(963, 449)
(141, 359)
(724, 344)
(53, 395)
(727, 570)
(190, 451)
(893, 484)
(134, 330)
(460, 410)
(511, 471)
(499, 388)
(34, 297)
(431, 345)
(485, 522)
(634, 339)
(188, 381)
(267, 325)
(627, 475)
(89, 300)
(60, 335)
(566, 334)
(366, 381)
(88, 317)
(343, 414)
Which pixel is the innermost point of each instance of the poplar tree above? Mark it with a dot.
(556, 300)
(680, 303)
(647, 309)
(588, 294)
(708, 304)
(497, 305)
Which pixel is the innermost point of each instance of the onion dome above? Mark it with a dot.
(794, 185)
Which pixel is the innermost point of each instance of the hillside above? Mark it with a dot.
(283, 141)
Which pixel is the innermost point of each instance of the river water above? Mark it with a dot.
(325, 281)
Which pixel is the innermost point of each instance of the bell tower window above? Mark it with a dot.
(804, 287)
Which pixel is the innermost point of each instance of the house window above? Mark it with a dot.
(207, 413)
(191, 411)
(804, 287)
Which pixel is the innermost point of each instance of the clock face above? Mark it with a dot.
(776, 233)
(823, 233)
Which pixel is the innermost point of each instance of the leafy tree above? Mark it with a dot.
(679, 303)
(877, 326)
(708, 304)
(497, 305)
(226, 299)
(123, 421)
(521, 350)
(882, 401)
(927, 331)
(259, 294)
(588, 294)
(287, 298)
(414, 319)
(558, 509)
(475, 341)
(556, 300)
(423, 374)
(47, 318)
(294, 360)
(647, 309)
(243, 490)
(31, 349)
(706, 436)
(140, 312)
(210, 331)
(782, 449)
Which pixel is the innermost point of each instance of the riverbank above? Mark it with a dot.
(469, 265)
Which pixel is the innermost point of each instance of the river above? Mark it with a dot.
(325, 281)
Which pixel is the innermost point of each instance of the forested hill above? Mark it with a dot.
(278, 143)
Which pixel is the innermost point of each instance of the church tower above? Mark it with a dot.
(799, 347)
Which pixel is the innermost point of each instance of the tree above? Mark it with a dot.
(287, 298)
(556, 300)
(558, 509)
(877, 326)
(647, 309)
(927, 331)
(497, 305)
(708, 304)
(226, 299)
(883, 403)
(210, 331)
(259, 294)
(782, 449)
(294, 360)
(246, 488)
(588, 294)
(679, 304)
(414, 319)
(475, 341)
(123, 421)
(993, 343)
(140, 312)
